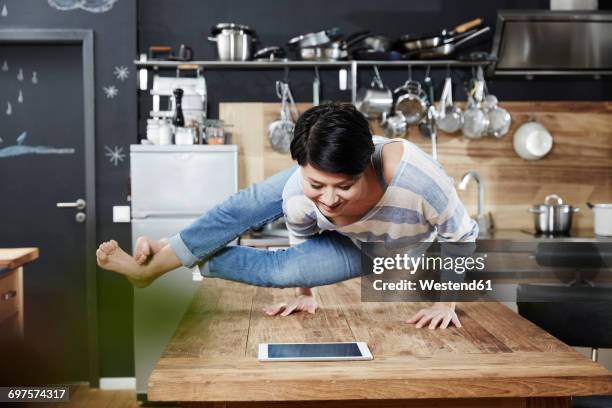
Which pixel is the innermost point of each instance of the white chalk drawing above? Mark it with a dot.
(93, 6)
(20, 97)
(4, 11)
(22, 138)
(5, 65)
(20, 75)
(121, 72)
(115, 155)
(34, 78)
(1, 140)
(21, 148)
(110, 91)
(9, 109)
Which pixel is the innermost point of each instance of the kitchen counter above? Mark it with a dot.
(497, 359)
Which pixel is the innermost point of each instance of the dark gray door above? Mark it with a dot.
(42, 163)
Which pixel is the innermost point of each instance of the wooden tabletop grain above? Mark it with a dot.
(495, 356)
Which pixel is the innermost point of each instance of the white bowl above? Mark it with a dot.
(532, 141)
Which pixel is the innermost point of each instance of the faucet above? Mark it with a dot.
(483, 220)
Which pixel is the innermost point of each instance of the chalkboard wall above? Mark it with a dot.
(115, 45)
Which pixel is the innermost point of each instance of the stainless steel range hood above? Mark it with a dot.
(553, 43)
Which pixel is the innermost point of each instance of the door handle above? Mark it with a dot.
(78, 204)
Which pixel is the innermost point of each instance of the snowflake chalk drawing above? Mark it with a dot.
(115, 155)
(121, 73)
(110, 91)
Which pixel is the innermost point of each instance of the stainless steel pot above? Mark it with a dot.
(553, 219)
(234, 41)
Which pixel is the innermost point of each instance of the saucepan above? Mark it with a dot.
(553, 217)
(448, 47)
(412, 42)
(375, 100)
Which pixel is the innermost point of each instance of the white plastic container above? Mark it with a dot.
(602, 219)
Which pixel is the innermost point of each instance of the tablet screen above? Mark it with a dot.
(306, 350)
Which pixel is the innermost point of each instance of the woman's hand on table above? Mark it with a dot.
(441, 314)
(146, 248)
(304, 302)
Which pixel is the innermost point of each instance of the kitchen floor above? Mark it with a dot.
(81, 395)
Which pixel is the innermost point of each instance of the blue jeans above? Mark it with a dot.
(322, 260)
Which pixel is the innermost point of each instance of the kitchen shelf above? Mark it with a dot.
(352, 65)
(307, 64)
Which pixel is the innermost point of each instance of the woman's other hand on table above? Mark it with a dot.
(304, 302)
(441, 314)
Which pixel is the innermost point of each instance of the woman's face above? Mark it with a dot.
(334, 194)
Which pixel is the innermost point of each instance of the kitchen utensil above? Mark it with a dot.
(449, 116)
(411, 100)
(330, 51)
(448, 47)
(185, 53)
(553, 217)
(375, 100)
(164, 133)
(602, 222)
(160, 52)
(280, 132)
(315, 39)
(412, 42)
(270, 54)
(532, 141)
(185, 135)
(394, 125)
(234, 41)
(475, 119)
(499, 118)
(316, 88)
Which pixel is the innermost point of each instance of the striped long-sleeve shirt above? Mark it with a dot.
(420, 204)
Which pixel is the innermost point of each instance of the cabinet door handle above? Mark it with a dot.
(9, 295)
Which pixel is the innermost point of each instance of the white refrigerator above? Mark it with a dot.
(170, 187)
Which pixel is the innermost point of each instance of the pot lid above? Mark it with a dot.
(232, 26)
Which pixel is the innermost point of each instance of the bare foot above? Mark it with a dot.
(111, 257)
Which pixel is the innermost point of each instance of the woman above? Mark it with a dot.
(345, 195)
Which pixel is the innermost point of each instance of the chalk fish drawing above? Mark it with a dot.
(21, 148)
(93, 6)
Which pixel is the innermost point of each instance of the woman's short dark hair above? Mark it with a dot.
(333, 137)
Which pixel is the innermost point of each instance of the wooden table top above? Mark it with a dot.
(12, 258)
(213, 354)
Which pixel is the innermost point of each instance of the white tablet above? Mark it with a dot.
(314, 351)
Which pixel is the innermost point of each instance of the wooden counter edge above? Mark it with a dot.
(12, 258)
(387, 389)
